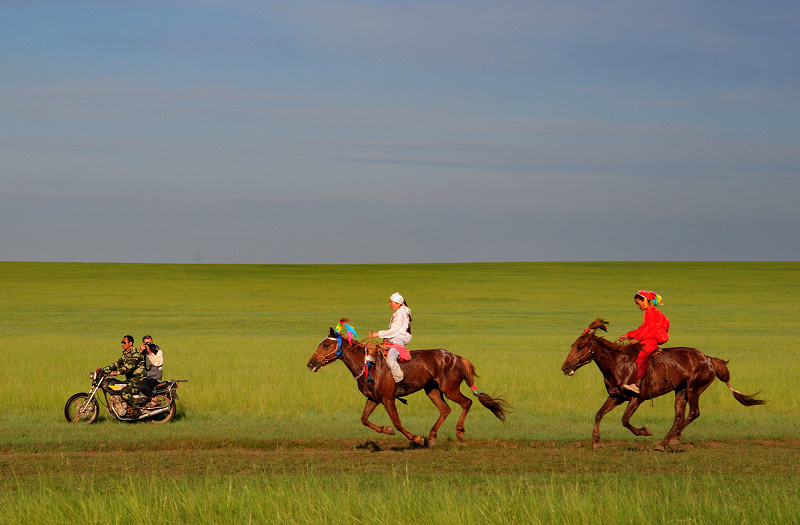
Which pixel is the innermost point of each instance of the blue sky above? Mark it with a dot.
(399, 131)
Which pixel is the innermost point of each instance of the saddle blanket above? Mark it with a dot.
(405, 355)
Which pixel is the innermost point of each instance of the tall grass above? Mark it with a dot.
(399, 497)
(242, 336)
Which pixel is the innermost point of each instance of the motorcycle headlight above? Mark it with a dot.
(93, 375)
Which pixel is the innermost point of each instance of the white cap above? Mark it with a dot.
(397, 298)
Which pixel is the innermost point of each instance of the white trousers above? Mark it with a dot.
(394, 366)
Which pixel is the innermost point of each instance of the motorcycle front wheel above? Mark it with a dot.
(166, 417)
(78, 411)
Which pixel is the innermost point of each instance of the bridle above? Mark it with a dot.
(591, 350)
(339, 351)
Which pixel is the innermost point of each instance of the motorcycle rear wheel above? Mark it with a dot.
(166, 417)
(76, 412)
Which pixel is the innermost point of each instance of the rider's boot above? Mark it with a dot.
(633, 387)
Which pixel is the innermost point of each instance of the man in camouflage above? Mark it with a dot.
(132, 364)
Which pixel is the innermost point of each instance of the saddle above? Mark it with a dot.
(405, 355)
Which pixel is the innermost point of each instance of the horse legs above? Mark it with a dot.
(608, 406)
(453, 393)
(633, 404)
(391, 409)
(693, 398)
(694, 411)
(436, 398)
(368, 409)
(674, 434)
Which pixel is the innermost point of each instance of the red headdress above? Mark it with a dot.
(652, 296)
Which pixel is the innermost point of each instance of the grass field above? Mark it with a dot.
(259, 438)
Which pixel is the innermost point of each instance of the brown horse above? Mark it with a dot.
(687, 371)
(439, 372)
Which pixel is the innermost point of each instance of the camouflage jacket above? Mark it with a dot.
(132, 364)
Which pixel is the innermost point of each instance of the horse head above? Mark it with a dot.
(582, 350)
(328, 351)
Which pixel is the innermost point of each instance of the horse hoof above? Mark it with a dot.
(431, 442)
(419, 440)
(674, 441)
(388, 430)
(596, 445)
(460, 435)
(660, 448)
(646, 432)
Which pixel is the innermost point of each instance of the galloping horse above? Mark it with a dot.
(439, 372)
(687, 371)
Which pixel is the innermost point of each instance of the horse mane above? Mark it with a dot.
(613, 345)
(600, 324)
(375, 351)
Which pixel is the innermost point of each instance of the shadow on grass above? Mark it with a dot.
(373, 446)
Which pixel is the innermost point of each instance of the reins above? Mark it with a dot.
(595, 356)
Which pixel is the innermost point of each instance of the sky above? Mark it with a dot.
(359, 131)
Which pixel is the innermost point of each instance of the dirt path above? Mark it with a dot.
(359, 457)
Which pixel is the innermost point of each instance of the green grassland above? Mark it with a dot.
(242, 335)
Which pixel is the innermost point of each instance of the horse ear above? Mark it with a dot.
(333, 334)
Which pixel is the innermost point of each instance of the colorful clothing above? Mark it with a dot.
(405, 355)
(399, 334)
(655, 325)
(653, 332)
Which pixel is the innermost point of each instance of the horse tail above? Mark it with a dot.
(724, 375)
(496, 405)
(469, 373)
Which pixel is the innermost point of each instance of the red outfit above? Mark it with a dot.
(653, 332)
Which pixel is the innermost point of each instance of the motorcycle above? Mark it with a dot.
(158, 408)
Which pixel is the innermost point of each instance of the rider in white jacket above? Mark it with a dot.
(399, 333)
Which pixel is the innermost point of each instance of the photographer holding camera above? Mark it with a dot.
(154, 358)
(154, 363)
